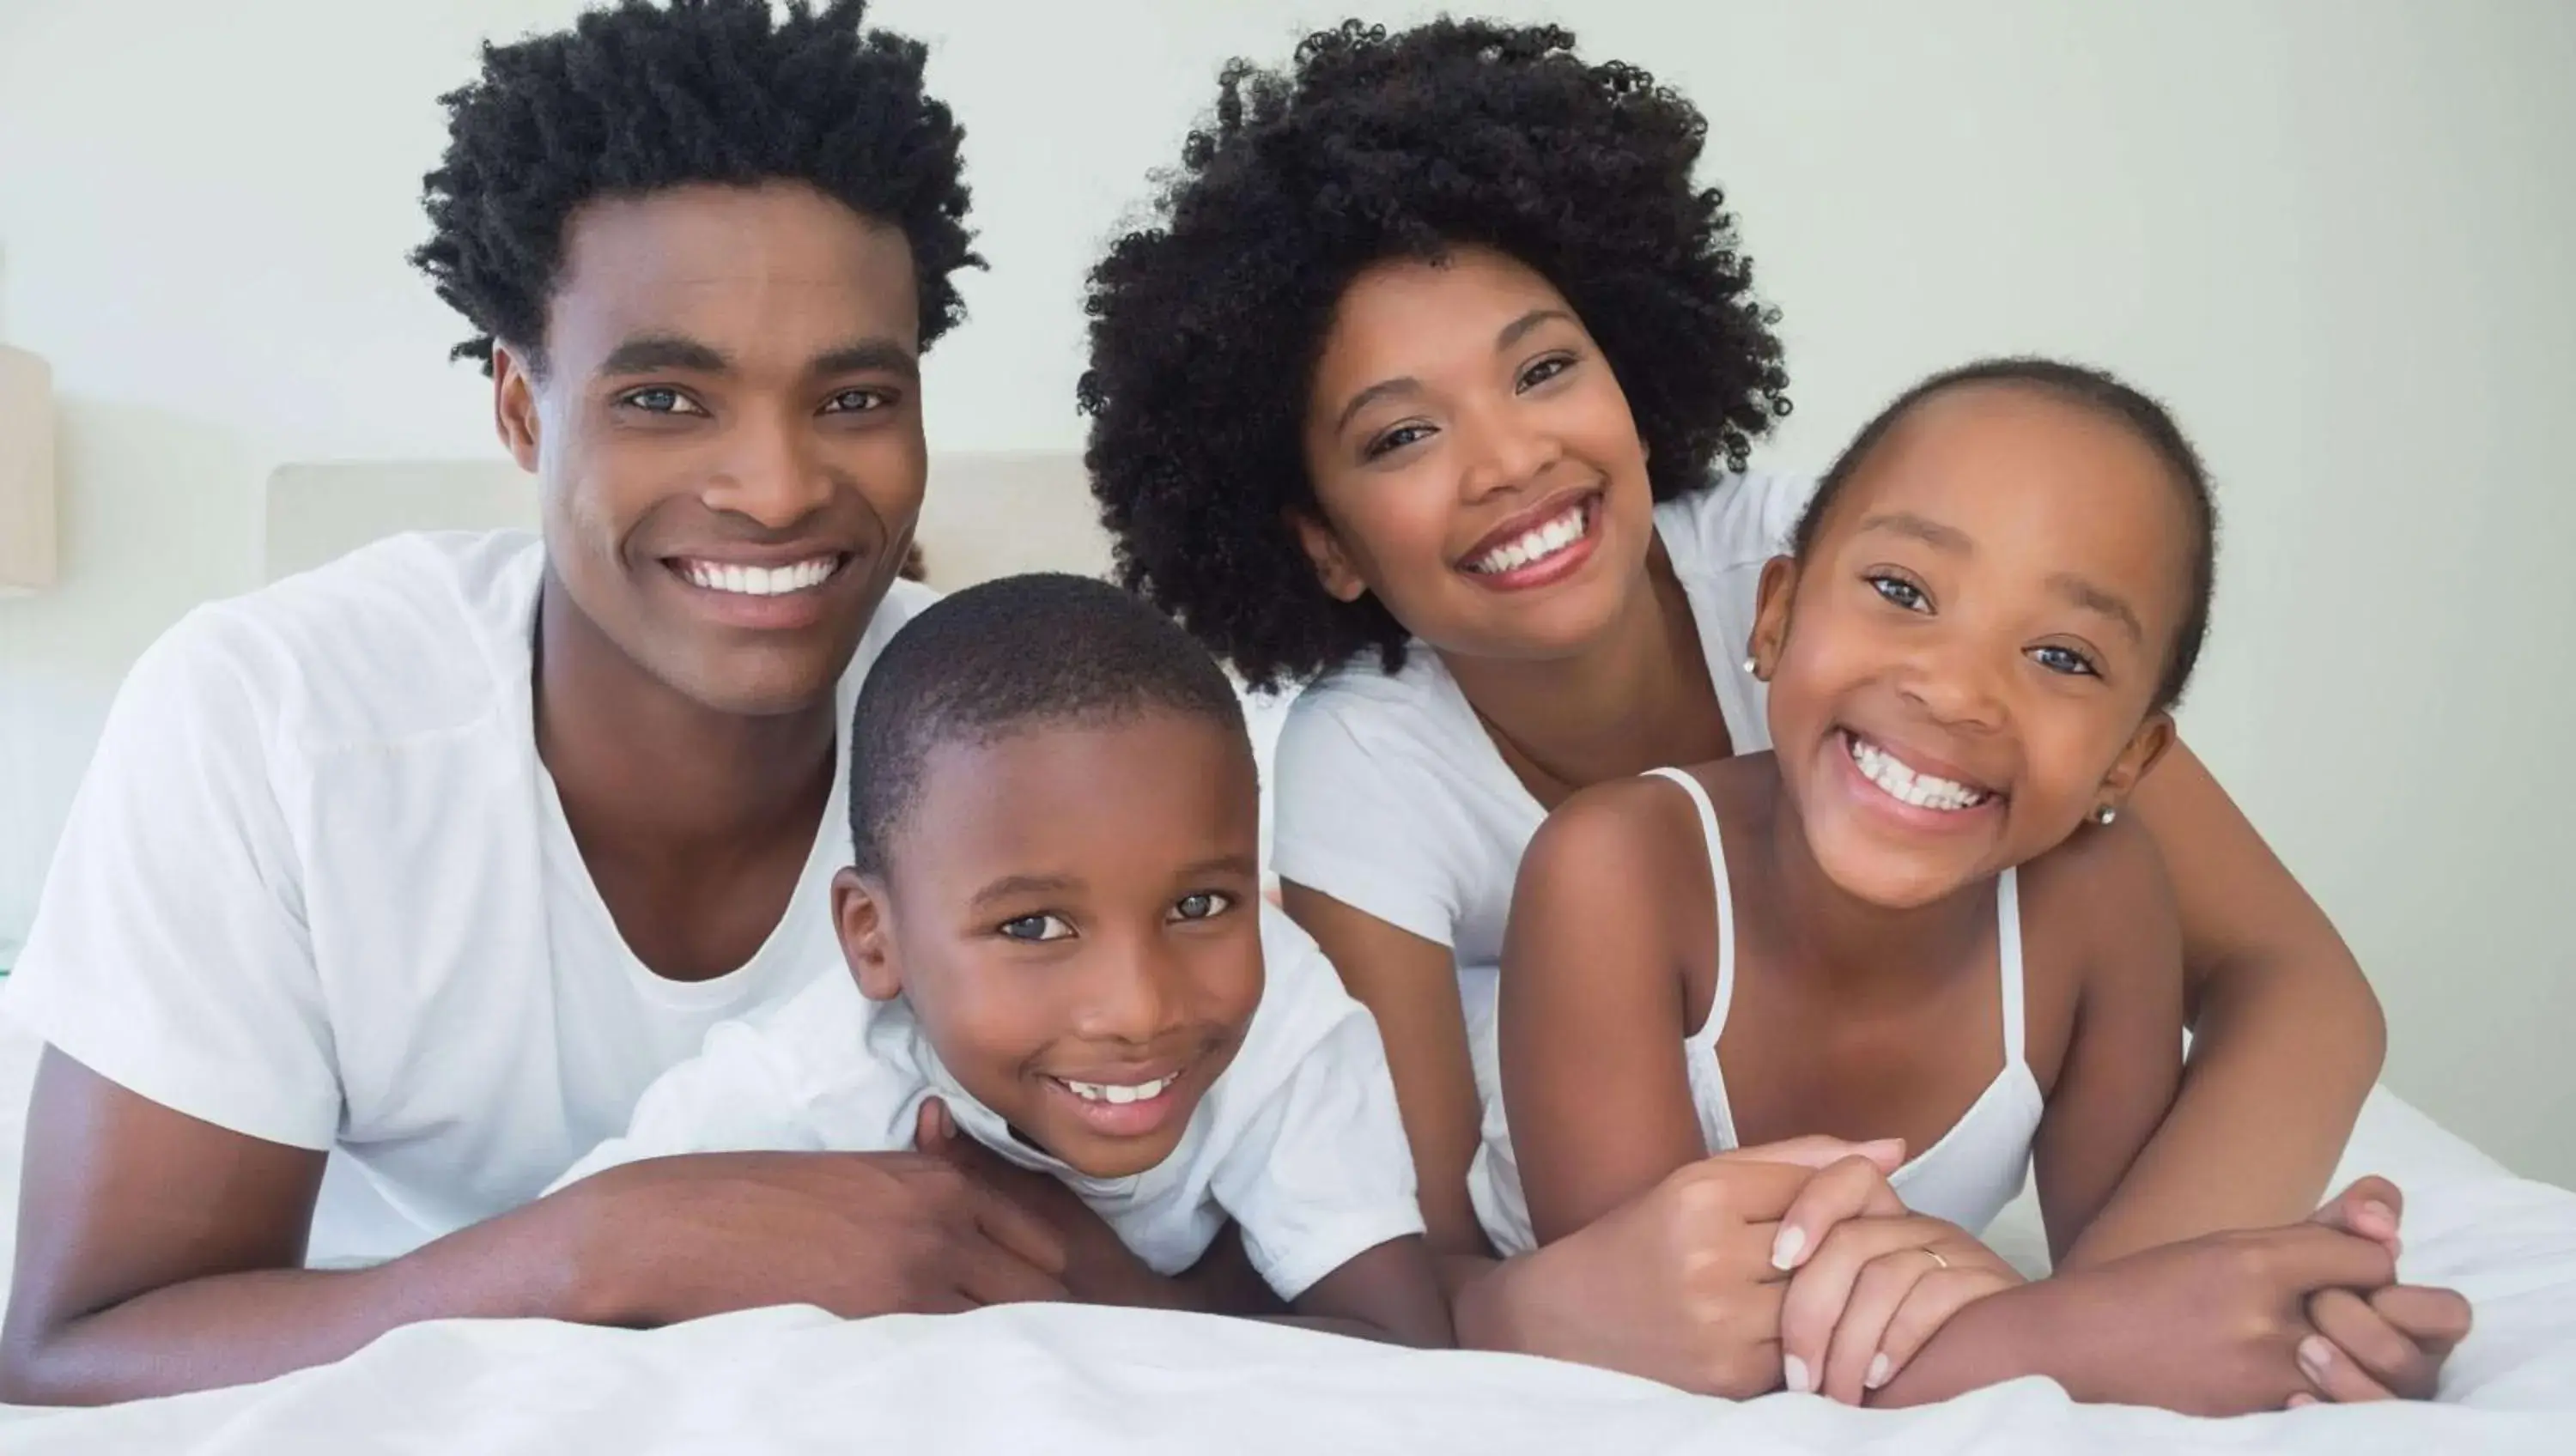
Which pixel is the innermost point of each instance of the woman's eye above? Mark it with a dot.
(1543, 371)
(662, 402)
(1205, 905)
(1397, 439)
(1036, 928)
(2064, 660)
(855, 401)
(1899, 591)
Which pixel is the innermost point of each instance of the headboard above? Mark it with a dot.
(986, 514)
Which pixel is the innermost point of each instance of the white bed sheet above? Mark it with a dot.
(1075, 1379)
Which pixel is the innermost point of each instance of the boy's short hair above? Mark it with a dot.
(2106, 395)
(640, 98)
(1017, 653)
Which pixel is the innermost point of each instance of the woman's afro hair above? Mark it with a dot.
(1206, 322)
(639, 98)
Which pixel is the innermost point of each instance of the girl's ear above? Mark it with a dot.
(867, 942)
(1771, 616)
(1324, 552)
(2148, 744)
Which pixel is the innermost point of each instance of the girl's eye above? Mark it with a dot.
(2064, 660)
(855, 401)
(1036, 928)
(1544, 370)
(1205, 905)
(1396, 439)
(1900, 592)
(660, 401)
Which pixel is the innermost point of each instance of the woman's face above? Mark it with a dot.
(1474, 460)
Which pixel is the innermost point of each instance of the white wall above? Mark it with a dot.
(2336, 233)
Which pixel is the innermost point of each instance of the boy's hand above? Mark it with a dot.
(1872, 1294)
(1098, 1266)
(2391, 1342)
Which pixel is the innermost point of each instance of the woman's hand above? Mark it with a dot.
(1684, 1283)
(1872, 1294)
(2389, 1343)
(1098, 1266)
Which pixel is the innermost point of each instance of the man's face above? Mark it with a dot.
(728, 426)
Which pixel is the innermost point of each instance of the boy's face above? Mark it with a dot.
(1965, 664)
(728, 427)
(1073, 914)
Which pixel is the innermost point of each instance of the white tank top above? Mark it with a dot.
(1966, 1176)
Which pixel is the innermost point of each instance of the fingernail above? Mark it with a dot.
(1794, 1371)
(2315, 1355)
(1787, 1245)
(2382, 1212)
(1878, 1371)
(2301, 1401)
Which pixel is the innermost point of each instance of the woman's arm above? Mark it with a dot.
(2287, 1035)
(1591, 1020)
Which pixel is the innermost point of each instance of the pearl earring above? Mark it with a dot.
(1752, 667)
(2105, 815)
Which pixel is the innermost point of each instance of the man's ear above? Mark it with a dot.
(867, 940)
(1324, 552)
(514, 406)
(1771, 615)
(2148, 744)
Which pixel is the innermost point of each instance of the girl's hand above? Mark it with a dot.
(2391, 1342)
(1866, 1299)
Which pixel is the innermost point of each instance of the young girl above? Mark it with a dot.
(1417, 382)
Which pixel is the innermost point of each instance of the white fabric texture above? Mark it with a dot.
(1392, 799)
(317, 888)
(1298, 1140)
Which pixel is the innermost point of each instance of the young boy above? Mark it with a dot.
(1056, 938)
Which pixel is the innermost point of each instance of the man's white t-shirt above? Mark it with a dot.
(1299, 1141)
(1393, 800)
(317, 888)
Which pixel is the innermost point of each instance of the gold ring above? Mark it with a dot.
(1936, 1257)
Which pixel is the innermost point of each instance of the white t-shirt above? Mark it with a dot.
(1298, 1141)
(1393, 800)
(317, 888)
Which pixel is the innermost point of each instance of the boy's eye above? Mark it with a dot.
(1205, 905)
(1544, 370)
(1899, 591)
(1036, 928)
(660, 400)
(1397, 439)
(857, 401)
(2064, 660)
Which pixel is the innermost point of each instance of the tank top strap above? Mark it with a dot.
(2008, 956)
(1724, 996)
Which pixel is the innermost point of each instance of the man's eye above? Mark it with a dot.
(659, 401)
(1205, 905)
(856, 401)
(1036, 928)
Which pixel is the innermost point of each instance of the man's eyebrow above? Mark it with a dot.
(653, 353)
(867, 356)
(2099, 599)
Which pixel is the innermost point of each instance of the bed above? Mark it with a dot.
(1062, 1378)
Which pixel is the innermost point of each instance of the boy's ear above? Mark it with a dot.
(2148, 744)
(1771, 615)
(1324, 552)
(514, 406)
(867, 941)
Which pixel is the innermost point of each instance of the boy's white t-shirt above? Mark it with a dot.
(1299, 1141)
(317, 888)
(1393, 800)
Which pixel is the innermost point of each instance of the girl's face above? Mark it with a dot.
(1964, 666)
(1474, 460)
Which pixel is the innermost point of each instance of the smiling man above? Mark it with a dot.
(392, 886)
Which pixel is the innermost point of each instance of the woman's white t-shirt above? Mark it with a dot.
(1392, 799)
(317, 888)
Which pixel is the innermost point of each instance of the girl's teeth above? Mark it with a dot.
(760, 581)
(1116, 1093)
(1923, 791)
(1535, 545)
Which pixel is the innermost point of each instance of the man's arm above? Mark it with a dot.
(159, 1254)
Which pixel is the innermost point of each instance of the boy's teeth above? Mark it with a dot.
(1924, 791)
(1114, 1092)
(760, 581)
(1535, 545)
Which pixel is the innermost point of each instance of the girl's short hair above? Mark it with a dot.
(1206, 322)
